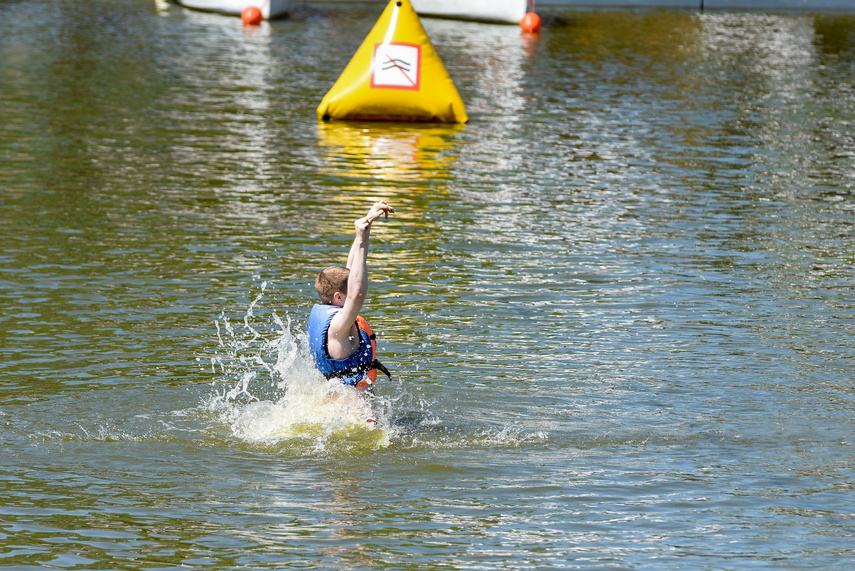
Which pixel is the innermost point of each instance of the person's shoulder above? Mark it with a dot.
(327, 309)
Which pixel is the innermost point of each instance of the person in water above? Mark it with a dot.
(341, 341)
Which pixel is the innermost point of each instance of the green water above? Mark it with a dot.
(618, 303)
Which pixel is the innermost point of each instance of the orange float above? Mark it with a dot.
(531, 23)
(251, 16)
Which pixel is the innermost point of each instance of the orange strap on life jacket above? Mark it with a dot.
(370, 368)
(372, 373)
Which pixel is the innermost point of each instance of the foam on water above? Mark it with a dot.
(267, 391)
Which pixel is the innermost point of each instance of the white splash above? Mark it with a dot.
(269, 392)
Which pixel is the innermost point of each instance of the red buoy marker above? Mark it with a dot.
(531, 23)
(251, 16)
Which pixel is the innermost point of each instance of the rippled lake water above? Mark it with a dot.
(618, 303)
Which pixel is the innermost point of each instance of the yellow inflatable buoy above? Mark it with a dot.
(395, 75)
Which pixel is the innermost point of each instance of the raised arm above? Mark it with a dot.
(380, 208)
(341, 341)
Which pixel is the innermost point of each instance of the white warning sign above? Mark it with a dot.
(397, 66)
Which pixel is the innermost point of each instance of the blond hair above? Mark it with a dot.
(331, 280)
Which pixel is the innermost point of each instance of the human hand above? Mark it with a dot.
(380, 208)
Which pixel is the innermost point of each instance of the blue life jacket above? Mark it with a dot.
(352, 370)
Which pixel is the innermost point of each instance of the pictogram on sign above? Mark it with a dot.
(397, 66)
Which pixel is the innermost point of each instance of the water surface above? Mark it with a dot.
(617, 303)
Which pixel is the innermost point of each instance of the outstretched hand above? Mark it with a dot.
(380, 208)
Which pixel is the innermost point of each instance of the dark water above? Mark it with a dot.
(618, 302)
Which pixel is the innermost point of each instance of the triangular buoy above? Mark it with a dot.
(395, 75)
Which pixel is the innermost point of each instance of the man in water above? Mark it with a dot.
(340, 340)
